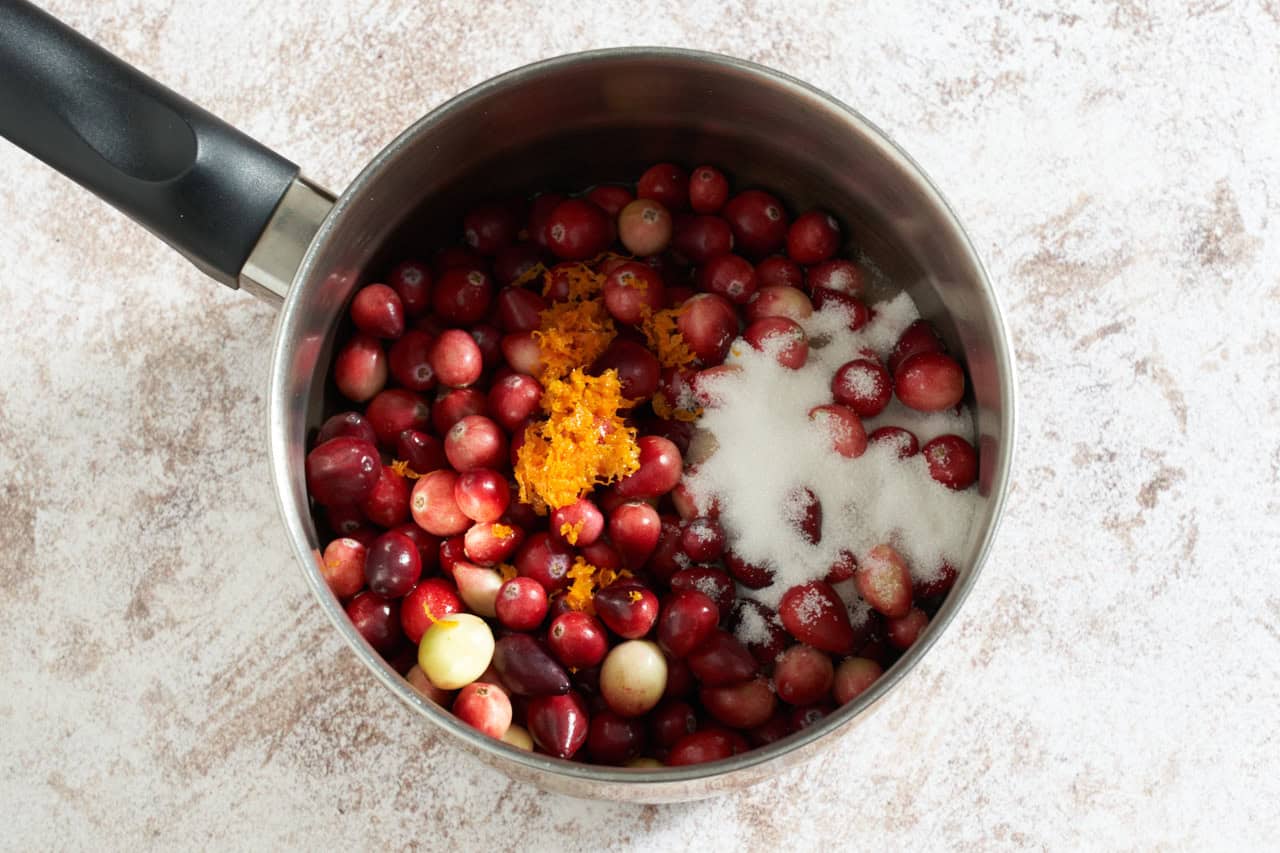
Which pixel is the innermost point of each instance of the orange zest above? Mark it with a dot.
(502, 531)
(572, 334)
(662, 408)
(570, 532)
(507, 571)
(586, 579)
(665, 341)
(582, 280)
(402, 468)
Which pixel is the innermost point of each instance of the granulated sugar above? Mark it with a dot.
(769, 451)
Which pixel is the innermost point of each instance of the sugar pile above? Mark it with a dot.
(769, 452)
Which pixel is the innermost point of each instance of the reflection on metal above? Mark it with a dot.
(269, 270)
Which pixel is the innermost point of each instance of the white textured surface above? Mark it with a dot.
(1112, 681)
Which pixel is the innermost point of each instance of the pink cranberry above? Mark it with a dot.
(780, 337)
(388, 504)
(412, 281)
(666, 183)
(729, 275)
(952, 461)
(710, 581)
(456, 358)
(776, 301)
(686, 621)
(708, 324)
(521, 604)
(489, 227)
(512, 262)
(906, 442)
(633, 291)
(863, 385)
(884, 581)
(376, 310)
(659, 471)
(485, 707)
(577, 639)
(522, 352)
(708, 189)
(702, 540)
(421, 451)
(514, 400)
(462, 296)
(360, 368)
(410, 361)
(721, 659)
(929, 382)
(395, 410)
(342, 566)
(837, 274)
(627, 608)
(634, 528)
(843, 428)
(920, 336)
(433, 506)
(610, 198)
(519, 309)
(342, 471)
(484, 546)
(558, 724)
(540, 218)
(856, 310)
(742, 706)
(350, 424)
(545, 560)
(700, 238)
(377, 620)
(456, 404)
(637, 368)
(813, 238)
(852, 677)
(644, 227)
(758, 221)
(393, 565)
(482, 494)
(581, 520)
(475, 442)
(777, 271)
(814, 614)
(903, 632)
(803, 675)
(578, 230)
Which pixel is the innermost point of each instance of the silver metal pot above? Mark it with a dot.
(566, 122)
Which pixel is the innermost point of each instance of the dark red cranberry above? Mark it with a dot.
(638, 369)
(455, 405)
(421, 451)
(659, 471)
(750, 575)
(428, 546)
(558, 724)
(456, 257)
(634, 528)
(666, 183)
(431, 600)
(670, 721)
(392, 566)
(838, 274)
(710, 581)
(708, 189)
(711, 744)
(410, 361)
(377, 620)
(952, 461)
(929, 382)
(729, 275)
(667, 557)
(813, 237)
(765, 637)
(802, 718)
(388, 504)
(721, 659)
(579, 230)
(349, 424)
(610, 198)
(412, 281)
(743, 706)
(813, 613)
(346, 520)
(489, 227)
(614, 739)
(758, 221)
(514, 400)
(540, 218)
(863, 385)
(771, 730)
(518, 309)
(627, 608)
(702, 539)
(521, 604)
(395, 410)
(512, 262)
(687, 620)
(545, 560)
(699, 238)
(577, 639)
(708, 323)
(527, 668)
(462, 296)
(778, 271)
(679, 680)
(489, 339)
(632, 291)
(343, 471)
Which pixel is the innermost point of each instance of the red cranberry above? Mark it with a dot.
(577, 639)
(710, 581)
(687, 620)
(462, 296)
(350, 424)
(758, 221)
(360, 368)
(430, 600)
(521, 604)
(863, 385)
(771, 730)
(410, 361)
(484, 546)
(637, 368)
(777, 271)
(433, 506)
(856, 310)
(814, 614)
(813, 238)
(613, 739)
(342, 471)
(843, 428)
(558, 724)
(376, 310)
(708, 324)
(545, 560)
(710, 744)
(803, 511)
(610, 198)
(766, 639)
(453, 550)
(377, 620)
(839, 275)
(708, 189)
(455, 405)
(627, 608)
(489, 340)
(659, 471)
(485, 707)
(670, 721)
(842, 568)
(803, 675)
(666, 183)
(697, 239)
(679, 680)
(742, 706)
(489, 227)
(679, 433)
(456, 257)
(780, 337)
(540, 218)
(644, 227)
(702, 540)
(852, 677)
(937, 585)
(456, 358)
(522, 352)
(778, 301)
(904, 440)
(920, 336)
(903, 632)
(342, 566)
(884, 581)
(475, 442)
(952, 462)
(346, 520)
(580, 523)
(514, 399)
(482, 494)
(802, 718)
(634, 529)
(748, 574)
(721, 659)
(929, 382)
(412, 281)
(395, 410)
(388, 504)
(422, 452)
(578, 230)
(633, 291)
(667, 557)
(428, 546)
(519, 309)
(729, 275)
(392, 566)
(512, 262)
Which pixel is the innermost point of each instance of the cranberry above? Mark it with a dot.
(431, 599)
(489, 340)
(803, 675)
(545, 560)
(514, 399)
(388, 504)
(843, 428)
(453, 550)
(903, 632)
(679, 680)
(637, 368)
(803, 511)
(842, 568)
(577, 639)
(742, 706)
(778, 301)
(929, 382)
(659, 471)
(482, 494)
(456, 257)
(721, 659)
(904, 440)
(697, 239)
(558, 724)
(758, 221)
(412, 281)
(376, 310)
(462, 296)
(802, 718)
(395, 410)
(777, 271)
(854, 308)
(644, 227)
(814, 614)
(485, 707)
(937, 585)
(422, 452)
(526, 667)
(702, 539)
(347, 520)
(813, 238)
(700, 747)
(708, 189)
(614, 739)
(767, 639)
(670, 721)
(633, 677)
(428, 546)
(455, 358)
(863, 385)
(667, 557)
(920, 336)
(342, 566)
(687, 506)
(610, 198)
(729, 275)
(434, 507)
(519, 309)
(580, 523)
(708, 324)
(350, 424)
(393, 565)
(771, 730)
(749, 575)
(377, 620)
(521, 604)
(837, 274)
(410, 361)
(852, 677)
(781, 338)
(475, 442)
(522, 352)
(710, 581)
(540, 218)
(343, 471)
(632, 291)
(634, 529)
(483, 545)
(666, 183)
(884, 581)
(455, 405)
(627, 608)
(578, 230)
(512, 262)
(687, 620)
(679, 433)
(952, 461)
(489, 227)
(360, 368)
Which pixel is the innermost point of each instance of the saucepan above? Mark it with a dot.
(247, 217)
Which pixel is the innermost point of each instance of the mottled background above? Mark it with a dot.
(1113, 680)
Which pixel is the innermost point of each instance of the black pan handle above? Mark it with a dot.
(196, 182)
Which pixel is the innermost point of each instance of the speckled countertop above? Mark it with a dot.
(1112, 681)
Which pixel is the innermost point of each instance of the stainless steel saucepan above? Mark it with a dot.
(245, 216)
